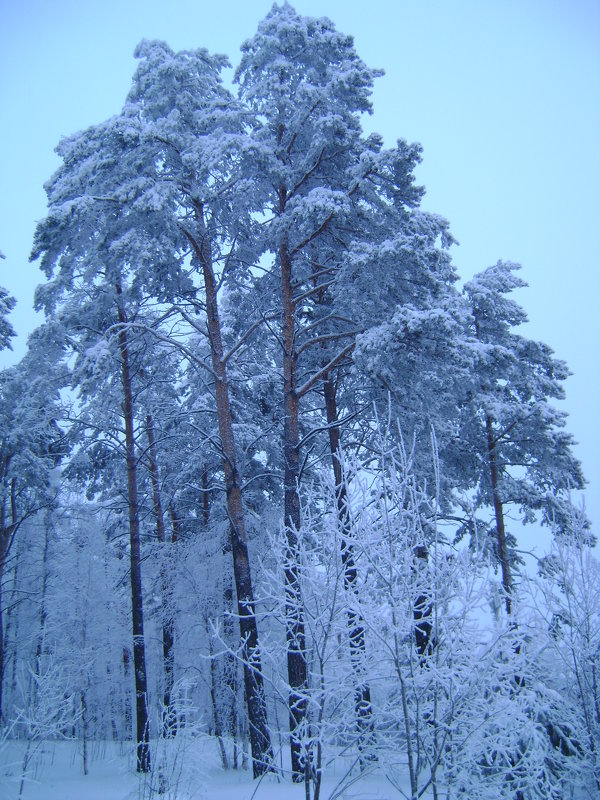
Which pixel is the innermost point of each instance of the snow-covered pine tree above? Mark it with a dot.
(190, 132)
(341, 229)
(524, 455)
(98, 261)
(307, 163)
(31, 445)
(7, 303)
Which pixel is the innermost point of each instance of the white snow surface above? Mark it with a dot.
(55, 772)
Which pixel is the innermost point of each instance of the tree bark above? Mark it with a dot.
(260, 740)
(174, 523)
(1, 646)
(39, 648)
(224, 668)
(127, 712)
(356, 626)
(169, 720)
(6, 534)
(229, 663)
(422, 608)
(11, 620)
(137, 608)
(507, 583)
(294, 613)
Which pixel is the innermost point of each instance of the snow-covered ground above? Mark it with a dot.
(55, 772)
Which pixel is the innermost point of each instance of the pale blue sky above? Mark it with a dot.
(504, 96)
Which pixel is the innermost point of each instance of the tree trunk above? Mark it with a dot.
(260, 740)
(84, 732)
(499, 515)
(12, 621)
(294, 612)
(169, 720)
(216, 705)
(6, 535)
(39, 648)
(137, 608)
(154, 479)
(229, 670)
(1, 645)
(356, 626)
(422, 608)
(127, 700)
(228, 662)
(174, 523)
(36, 673)
(223, 668)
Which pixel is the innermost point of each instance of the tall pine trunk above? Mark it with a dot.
(507, 583)
(224, 667)
(127, 711)
(356, 626)
(7, 531)
(169, 720)
(260, 739)
(499, 516)
(36, 672)
(1, 647)
(229, 664)
(137, 608)
(11, 621)
(39, 647)
(294, 612)
(2, 640)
